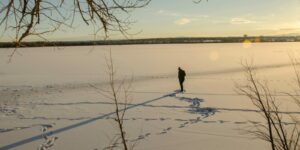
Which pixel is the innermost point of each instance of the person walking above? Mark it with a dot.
(181, 78)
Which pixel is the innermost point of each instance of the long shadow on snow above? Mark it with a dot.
(57, 131)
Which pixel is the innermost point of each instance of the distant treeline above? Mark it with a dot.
(183, 40)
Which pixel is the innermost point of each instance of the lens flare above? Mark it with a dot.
(247, 44)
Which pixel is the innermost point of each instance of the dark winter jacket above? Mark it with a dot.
(181, 75)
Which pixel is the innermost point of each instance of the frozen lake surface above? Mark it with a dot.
(49, 88)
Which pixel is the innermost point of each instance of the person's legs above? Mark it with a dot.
(181, 86)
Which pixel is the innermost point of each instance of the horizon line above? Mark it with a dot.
(152, 38)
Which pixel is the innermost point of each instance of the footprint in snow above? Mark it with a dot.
(163, 132)
(240, 122)
(222, 121)
(141, 137)
(147, 134)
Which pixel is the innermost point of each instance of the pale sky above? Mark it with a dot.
(183, 18)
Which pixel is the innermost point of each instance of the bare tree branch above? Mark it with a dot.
(274, 131)
(26, 17)
(118, 91)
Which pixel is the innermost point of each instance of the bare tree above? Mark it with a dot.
(114, 92)
(275, 131)
(119, 93)
(38, 17)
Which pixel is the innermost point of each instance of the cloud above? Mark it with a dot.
(181, 18)
(289, 29)
(182, 21)
(241, 21)
(160, 11)
(168, 13)
(178, 14)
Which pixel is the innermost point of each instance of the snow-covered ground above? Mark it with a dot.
(48, 90)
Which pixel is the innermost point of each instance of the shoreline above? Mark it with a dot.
(146, 41)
